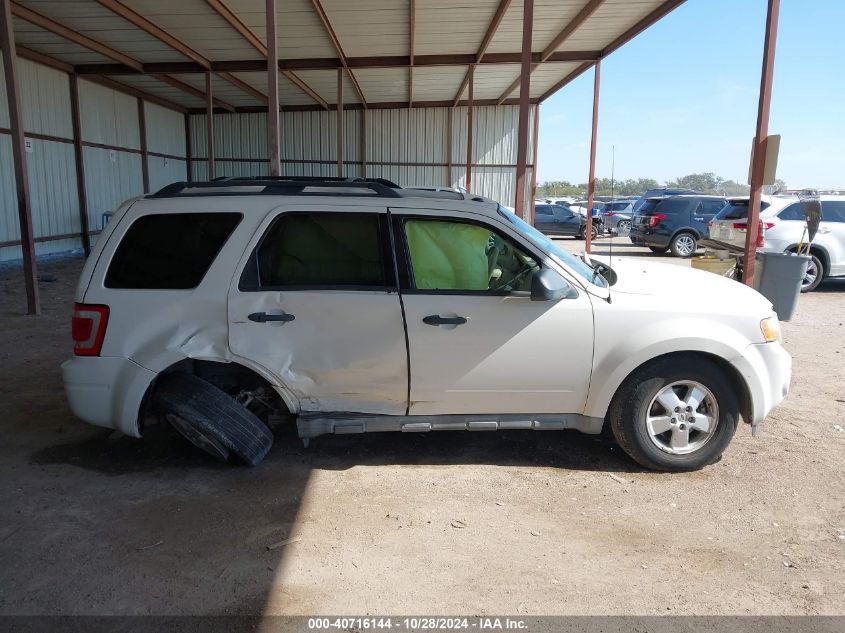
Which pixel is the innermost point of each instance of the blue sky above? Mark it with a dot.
(682, 98)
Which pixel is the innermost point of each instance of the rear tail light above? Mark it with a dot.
(88, 328)
(609, 213)
(653, 220)
(742, 226)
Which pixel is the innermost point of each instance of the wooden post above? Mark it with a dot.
(591, 182)
(79, 159)
(142, 127)
(524, 106)
(758, 163)
(30, 268)
(209, 123)
(273, 136)
(340, 122)
(534, 164)
(468, 178)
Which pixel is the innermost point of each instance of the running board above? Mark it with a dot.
(313, 424)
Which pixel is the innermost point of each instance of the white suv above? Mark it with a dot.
(356, 306)
(784, 228)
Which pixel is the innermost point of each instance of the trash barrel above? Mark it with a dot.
(778, 276)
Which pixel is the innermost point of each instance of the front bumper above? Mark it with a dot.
(106, 391)
(767, 369)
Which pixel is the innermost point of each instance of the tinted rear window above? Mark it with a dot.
(170, 251)
(737, 210)
(833, 211)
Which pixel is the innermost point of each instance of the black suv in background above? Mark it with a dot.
(675, 223)
(664, 192)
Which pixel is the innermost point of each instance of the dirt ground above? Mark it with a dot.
(517, 523)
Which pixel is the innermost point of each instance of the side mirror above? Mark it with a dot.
(547, 285)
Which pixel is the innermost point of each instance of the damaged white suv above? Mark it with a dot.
(354, 306)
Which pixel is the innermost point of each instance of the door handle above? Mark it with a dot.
(436, 319)
(263, 317)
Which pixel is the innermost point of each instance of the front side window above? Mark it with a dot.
(320, 250)
(543, 209)
(450, 255)
(833, 211)
(169, 251)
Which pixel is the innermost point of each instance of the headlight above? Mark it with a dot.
(771, 329)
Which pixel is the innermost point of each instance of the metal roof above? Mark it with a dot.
(397, 53)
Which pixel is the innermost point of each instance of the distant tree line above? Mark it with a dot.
(707, 182)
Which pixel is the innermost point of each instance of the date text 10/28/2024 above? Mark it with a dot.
(417, 623)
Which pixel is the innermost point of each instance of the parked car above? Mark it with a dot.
(353, 306)
(675, 223)
(617, 216)
(782, 225)
(663, 192)
(554, 219)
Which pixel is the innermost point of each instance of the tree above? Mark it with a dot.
(707, 182)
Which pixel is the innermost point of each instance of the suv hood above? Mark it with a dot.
(703, 290)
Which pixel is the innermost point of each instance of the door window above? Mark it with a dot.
(793, 212)
(543, 209)
(833, 211)
(461, 256)
(319, 250)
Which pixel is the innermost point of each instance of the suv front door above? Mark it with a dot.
(477, 342)
(317, 307)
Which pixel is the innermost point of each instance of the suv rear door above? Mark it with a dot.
(475, 347)
(316, 305)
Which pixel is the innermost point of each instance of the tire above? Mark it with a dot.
(624, 227)
(636, 401)
(658, 249)
(814, 275)
(595, 231)
(683, 245)
(211, 419)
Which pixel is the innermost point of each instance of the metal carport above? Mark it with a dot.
(106, 99)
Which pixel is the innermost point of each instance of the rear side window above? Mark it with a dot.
(171, 251)
(542, 209)
(793, 212)
(674, 205)
(302, 250)
(737, 210)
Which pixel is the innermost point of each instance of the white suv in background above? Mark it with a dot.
(353, 306)
(783, 227)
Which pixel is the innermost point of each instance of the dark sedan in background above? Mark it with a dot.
(559, 220)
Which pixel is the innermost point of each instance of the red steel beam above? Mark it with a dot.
(30, 267)
(209, 125)
(234, 21)
(327, 25)
(78, 156)
(524, 90)
(758, 164)
(339, 127)
(659, 13)
(273, 128)
(485, 43)
(192, 90)
(468, 177)
(46, 60)
(591, 182)
(135, 92)
(48, 24)
(582, 16)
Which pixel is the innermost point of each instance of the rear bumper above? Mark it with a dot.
(645, 238)
(767, 369)
(107, 391)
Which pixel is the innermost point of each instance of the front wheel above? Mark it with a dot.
(675, 414)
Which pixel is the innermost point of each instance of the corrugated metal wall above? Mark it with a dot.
(410, 147)
(110, 131)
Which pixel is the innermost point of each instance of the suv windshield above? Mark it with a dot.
(575, 264)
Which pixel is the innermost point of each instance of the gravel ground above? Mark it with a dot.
(520, 523)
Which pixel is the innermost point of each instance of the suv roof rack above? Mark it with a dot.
(282, 185)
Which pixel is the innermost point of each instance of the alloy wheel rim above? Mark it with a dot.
(811, 274)
(682, 417)
(685, 244)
